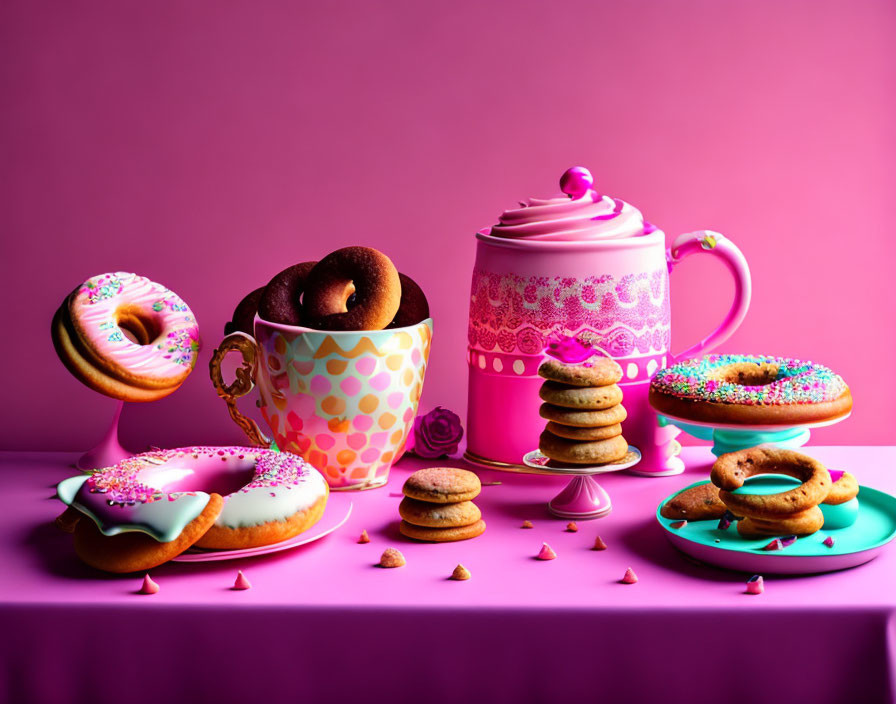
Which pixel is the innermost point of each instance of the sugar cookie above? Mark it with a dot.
(597, 371)
(590, 453)
(583, 419)
(586, 398)
(430, 515)
(588, 434)
(442, 485)
(442, 535)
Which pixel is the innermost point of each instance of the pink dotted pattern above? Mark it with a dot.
(345, 402)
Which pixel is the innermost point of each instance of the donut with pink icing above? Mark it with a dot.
(268, 496)
(126, 336)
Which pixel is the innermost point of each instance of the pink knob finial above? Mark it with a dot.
(576, 182)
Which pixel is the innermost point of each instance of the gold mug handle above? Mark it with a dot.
(242, 384)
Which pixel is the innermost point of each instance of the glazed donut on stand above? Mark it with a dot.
(126, 337)
(742, 401)
(212, 497)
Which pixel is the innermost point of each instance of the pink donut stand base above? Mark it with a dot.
(583, 498)
(108, 451)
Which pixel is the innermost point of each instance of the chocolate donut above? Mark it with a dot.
(244, 314)
(354, 288)
(413, 307)
(281, 300)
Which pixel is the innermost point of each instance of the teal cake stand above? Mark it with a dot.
(731, 437)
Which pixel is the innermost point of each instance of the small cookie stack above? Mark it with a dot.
(437, 506)
(583, 407)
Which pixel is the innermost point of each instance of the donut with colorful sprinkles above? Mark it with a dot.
(126, 336)
(750, 390)
(266, 496)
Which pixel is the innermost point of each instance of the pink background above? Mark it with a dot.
(209, 145)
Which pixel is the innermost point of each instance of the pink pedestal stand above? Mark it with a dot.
(583, 498)
(108, 451)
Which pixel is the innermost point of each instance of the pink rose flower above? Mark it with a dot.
(436, 434)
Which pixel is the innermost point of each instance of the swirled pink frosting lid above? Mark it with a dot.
(580, 213)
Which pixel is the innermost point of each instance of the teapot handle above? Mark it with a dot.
(720, 246)
(242, 384)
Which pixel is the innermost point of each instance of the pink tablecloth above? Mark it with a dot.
(322, 624)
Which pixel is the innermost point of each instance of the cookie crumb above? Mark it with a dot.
(829, 541)
(546, 553)
(392, 558)
(629, 577)
(571, 527)
(460, 573)
(149, 587)
(527, 524)
(364, 538)
(241, 582)
(755, 584)
(599, 544)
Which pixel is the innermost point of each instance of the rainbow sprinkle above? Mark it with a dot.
(796, 382)
(101, 287)
(181, 346)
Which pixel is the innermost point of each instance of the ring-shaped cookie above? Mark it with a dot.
(845, 488)
(730, 471)
(354, 288)
(802, 523)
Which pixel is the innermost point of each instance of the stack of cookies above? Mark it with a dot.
(583, 407)
(438, 507)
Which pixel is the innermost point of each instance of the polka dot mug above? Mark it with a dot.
(344, 401)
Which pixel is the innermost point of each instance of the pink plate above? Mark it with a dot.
(339, 508)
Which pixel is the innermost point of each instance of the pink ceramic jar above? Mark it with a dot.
(577, 264)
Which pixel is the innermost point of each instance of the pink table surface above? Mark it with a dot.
(322, 623)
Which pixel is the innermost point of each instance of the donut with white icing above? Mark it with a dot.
(126, 336)
(268, 496)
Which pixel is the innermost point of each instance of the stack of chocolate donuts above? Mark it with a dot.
(354, 288)
(583, 407)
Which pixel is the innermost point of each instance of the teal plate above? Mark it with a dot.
(855, 545)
